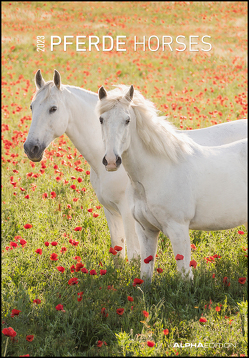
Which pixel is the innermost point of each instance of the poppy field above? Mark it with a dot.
(65, 291)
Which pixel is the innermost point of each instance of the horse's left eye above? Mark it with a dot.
(127, 120)
(30, 107)
(101, 120)
(52, 109)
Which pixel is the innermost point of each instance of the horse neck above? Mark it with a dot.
(83, 128)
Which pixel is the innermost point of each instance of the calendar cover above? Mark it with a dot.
(123, 227)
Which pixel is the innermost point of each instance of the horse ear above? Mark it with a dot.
(129, 94)
(102, 93)
(39, 81)
(57, 79)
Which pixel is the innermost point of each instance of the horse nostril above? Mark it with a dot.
(104, 161)
(118, 160)
(35, 149)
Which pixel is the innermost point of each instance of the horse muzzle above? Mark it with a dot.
(112, 166)
(34, 151)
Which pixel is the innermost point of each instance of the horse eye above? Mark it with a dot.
(52, 109)
(30, 107)
(101, 120)
(127, 120)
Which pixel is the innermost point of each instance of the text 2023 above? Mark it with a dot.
(40, 43)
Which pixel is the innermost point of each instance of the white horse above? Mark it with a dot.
(59, 109)
(175, 184)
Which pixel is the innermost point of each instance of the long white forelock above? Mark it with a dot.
(158, 135)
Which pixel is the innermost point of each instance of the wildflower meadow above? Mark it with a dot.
(65, 291)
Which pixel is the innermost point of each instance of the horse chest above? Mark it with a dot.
(140, 208)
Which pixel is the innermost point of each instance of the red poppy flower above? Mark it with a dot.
(63, 249)
(78, 258)
(84, 270)
(118, 248)
(73, 187)
(130, 299)
(159, 270)
(29, 338)
(18, 237)
(60, 268)
(217, 309)
(53, 194)
(25, 355)
(99, 344)
(59, 307)
(73, 281)
(75, 199)
(27, 226)
(15, 312)
(146, 314)
(103, 312)
(213, 275)
(203, 319)
(78, 228)
(93, 272)
(179, 257)
(9, 332)
(13, 244)
(44, 196)
(137, 281)
(102, 272)
(193, 263)
(242, 280)
(150, 344)
(193, 246)
(23, 242)
(98, 207)
(74, 243)
(226, 283)
(37, 301)
(79, 265)
(46, 243)
(53, 257)
(72, 268)
(95, 215)
(38, 251)
(90, 210)
(240, 232)
(165, 332)
(112, 251)
(148, 259)
(26, 197)
(79, 180)
(87, 172)
(120, 311)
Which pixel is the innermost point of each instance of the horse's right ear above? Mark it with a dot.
(57, 79)
(39, 81)
(102, 93)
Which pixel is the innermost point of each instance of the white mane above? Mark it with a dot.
(158, 135)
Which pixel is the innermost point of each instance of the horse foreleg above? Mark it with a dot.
(179, 237)
(116, 227)
(132, 243)
(148, 238)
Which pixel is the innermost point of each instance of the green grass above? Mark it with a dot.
(195, 90)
